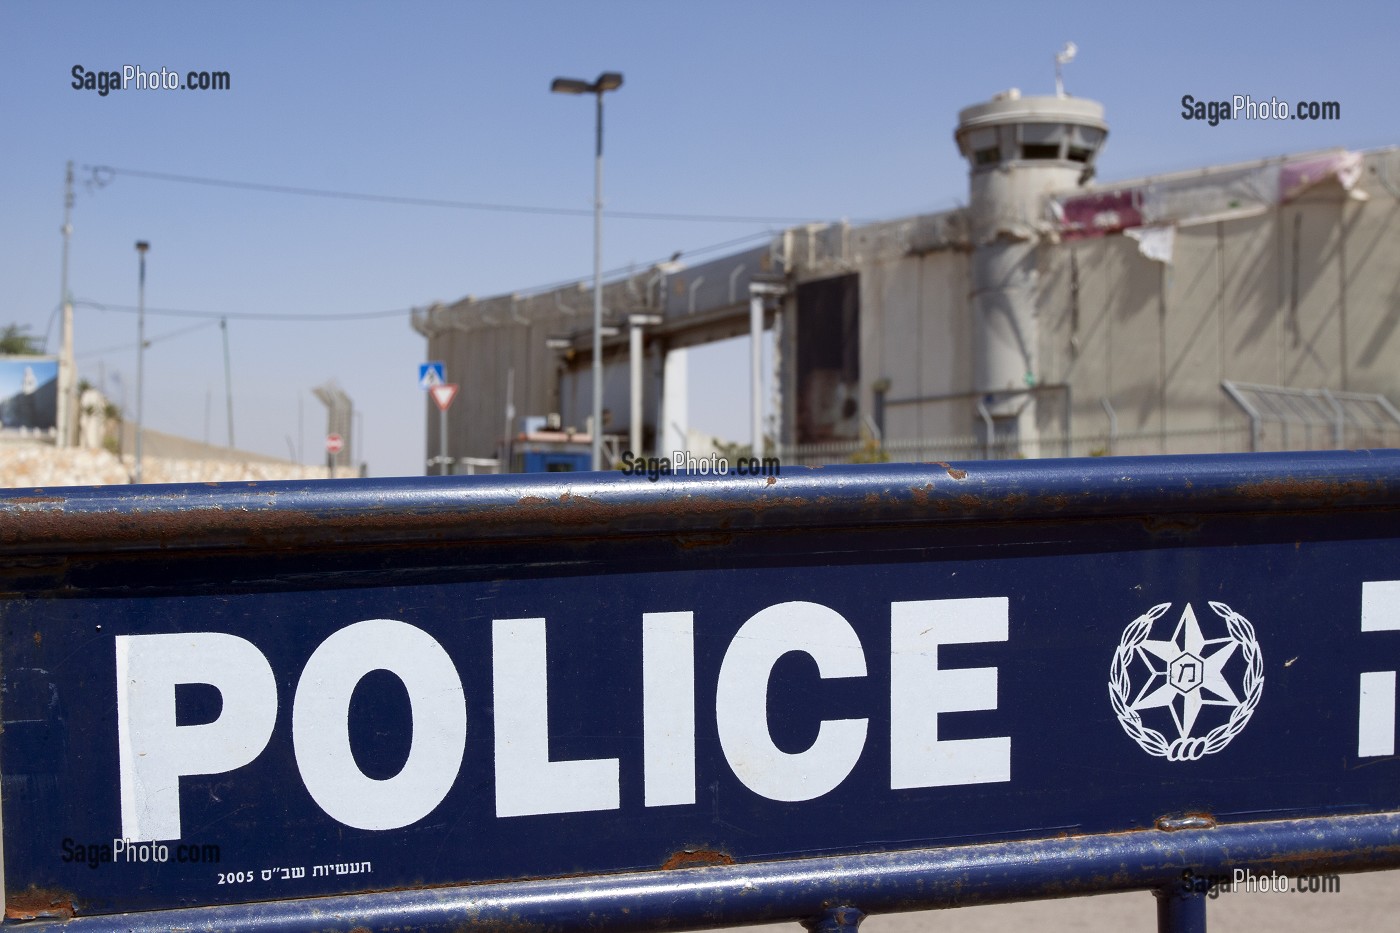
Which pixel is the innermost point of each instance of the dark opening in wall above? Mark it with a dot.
(987, 156)
(828, 360)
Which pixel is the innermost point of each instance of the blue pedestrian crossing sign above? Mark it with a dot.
(431, 374)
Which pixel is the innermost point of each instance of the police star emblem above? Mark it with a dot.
(1187, 684)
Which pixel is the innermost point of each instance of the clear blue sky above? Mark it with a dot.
(780, 109)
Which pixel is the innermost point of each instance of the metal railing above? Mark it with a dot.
(1284, 418)
(1107, 443)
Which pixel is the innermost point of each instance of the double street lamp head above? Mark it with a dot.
(142, 246)
(607, 81)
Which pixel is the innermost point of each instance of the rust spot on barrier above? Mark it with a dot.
(952, 471)
(1309, 489)
(772, 480)
(38, 500)
(40, 904)
(697, 858)
(1172, 824)
(920, 493)
(38, 639)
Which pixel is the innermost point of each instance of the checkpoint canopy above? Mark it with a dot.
(225, 698)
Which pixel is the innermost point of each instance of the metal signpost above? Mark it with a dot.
(334, 445)
(597, 702)
(432, 378)
(443, 394)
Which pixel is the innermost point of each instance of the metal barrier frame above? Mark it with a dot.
(826, 893)
(833, 893)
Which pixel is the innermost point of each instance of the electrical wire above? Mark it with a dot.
(149, 341)
(391, 312)
(101, 175)
(250, 315)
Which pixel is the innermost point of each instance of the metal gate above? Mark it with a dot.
(608, 702)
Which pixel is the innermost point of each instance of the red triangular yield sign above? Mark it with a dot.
(443, 394)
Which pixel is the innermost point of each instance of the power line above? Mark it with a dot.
(391, 312)
(101, 175)
(163, 337)
(251, 315)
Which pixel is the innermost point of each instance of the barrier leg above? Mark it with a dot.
(1180, 911)
(836, 920)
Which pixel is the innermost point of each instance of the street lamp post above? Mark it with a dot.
(607, 81)
(141, 247)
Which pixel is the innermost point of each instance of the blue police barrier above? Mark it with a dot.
(596, 701)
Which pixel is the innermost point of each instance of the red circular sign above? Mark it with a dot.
(334, 443)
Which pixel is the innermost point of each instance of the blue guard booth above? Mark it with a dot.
(551, 452)
(598, 702)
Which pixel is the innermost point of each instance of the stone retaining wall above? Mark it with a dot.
(29, 466)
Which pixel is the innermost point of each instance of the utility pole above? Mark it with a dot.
(358, 460)
(228, 380)
(510, 416)
(67, 378)
(141, 247)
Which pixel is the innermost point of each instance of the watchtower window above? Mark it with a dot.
(989, 156)
(1040, 151)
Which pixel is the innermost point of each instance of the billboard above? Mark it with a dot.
(28, 395)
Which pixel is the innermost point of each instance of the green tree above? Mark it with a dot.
(870, 452)
(16, 340)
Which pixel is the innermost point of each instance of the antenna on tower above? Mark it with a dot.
(1062, 58)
